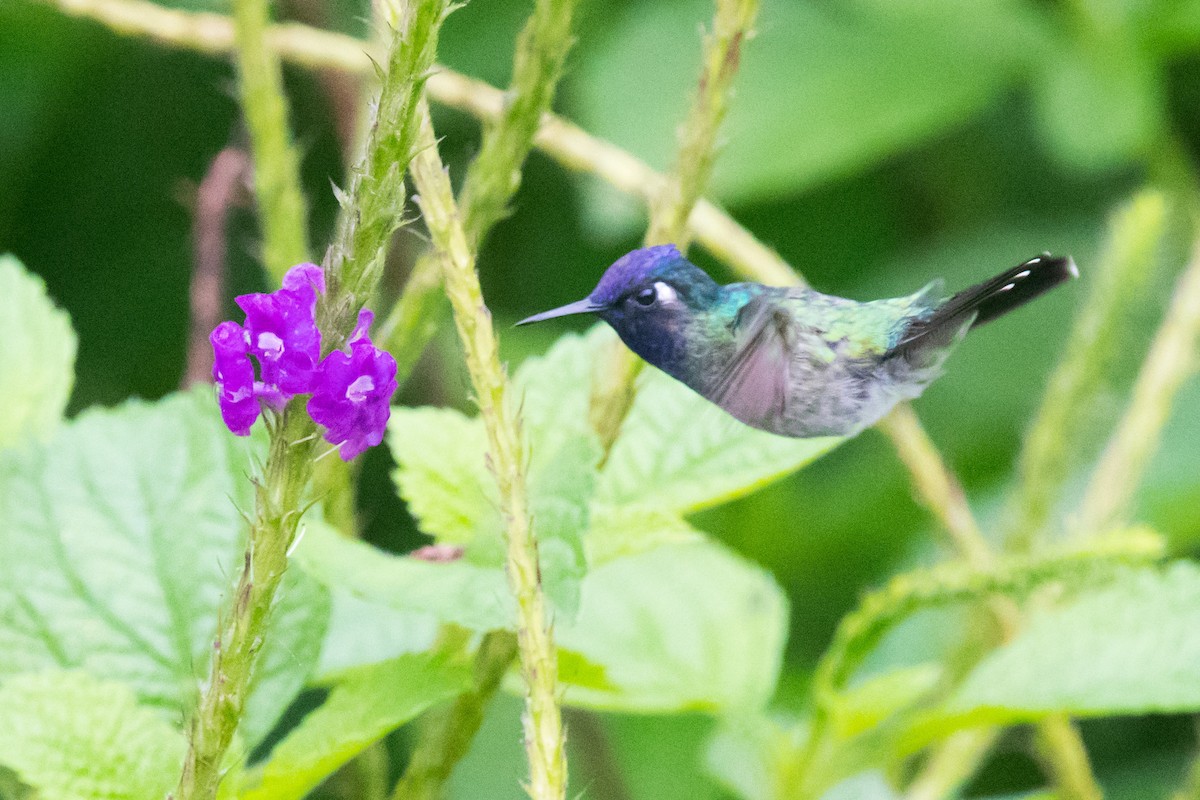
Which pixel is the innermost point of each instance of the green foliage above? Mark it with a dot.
(73, 736)
(1130, 647)
(366, 704)
(117, 540)
(38, 367)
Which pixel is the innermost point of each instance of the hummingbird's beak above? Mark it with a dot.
(584, 306)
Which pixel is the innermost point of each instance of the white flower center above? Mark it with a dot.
(270, 345)
(357, 392)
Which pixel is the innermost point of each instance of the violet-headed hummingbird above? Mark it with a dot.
(793, 361)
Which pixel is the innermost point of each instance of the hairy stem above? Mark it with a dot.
(278, 502)
(563, 141)
(1053, 443)
(281, 206)
(671, 205)
(1171, 360)
(494, 175)
(544, 736)
(242, 630)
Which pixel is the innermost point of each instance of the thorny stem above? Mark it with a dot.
(1171, 359)
(278, 501)
(374, 206)
(544, 737)
(282, 211)
(494, 175)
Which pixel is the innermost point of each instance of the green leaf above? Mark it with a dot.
(1132, 647)
(38, 367)
(361, 633)
(119, 543)
(441, 474)
(1100, 103)
(472, 595)
(677, 452)
(681, 627)
(366, 705)
(72, 736)
(749, 755)
(820, 92)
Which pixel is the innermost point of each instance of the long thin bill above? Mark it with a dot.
(584, 306)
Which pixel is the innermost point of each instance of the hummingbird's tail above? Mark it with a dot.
(984, 302)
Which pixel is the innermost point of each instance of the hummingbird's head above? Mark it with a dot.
(654, 282)
(650, 297)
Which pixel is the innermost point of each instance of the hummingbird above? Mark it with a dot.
(790, 360)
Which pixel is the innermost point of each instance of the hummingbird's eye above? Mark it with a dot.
(646, 297)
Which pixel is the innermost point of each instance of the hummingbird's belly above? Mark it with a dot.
(843, 398)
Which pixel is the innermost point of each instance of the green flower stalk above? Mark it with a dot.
(374, 194)
(544, 737)
(276, 164)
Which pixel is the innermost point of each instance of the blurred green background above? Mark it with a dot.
(876, 144)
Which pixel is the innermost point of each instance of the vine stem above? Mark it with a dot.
(544, 735)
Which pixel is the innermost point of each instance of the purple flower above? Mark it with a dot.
(281, 331)
(280, 339)
(352, 392)
(276, 355)
(234, 376)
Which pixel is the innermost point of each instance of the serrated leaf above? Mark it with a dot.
(472, 595)
(38, 367)
(679, 453)
(627, 531)
(681, 627)
(119, 542)
(366, 705)
(72, 736)
(441, 474)
(1132, 647)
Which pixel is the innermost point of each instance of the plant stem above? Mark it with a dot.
(374, 205)
(671, 207)
(494, 175)
(242, 631)
(1053, 443)
(672, 203)
(281, 206)
(544, 737)
(936, 484)
(1172, 358)
(446, 735)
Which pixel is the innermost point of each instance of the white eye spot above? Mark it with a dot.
(665, 293)
(1022, 274)
(1034, 260)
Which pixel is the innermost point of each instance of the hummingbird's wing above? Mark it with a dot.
(753, 386)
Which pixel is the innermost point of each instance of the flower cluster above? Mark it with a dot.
(276, 355)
